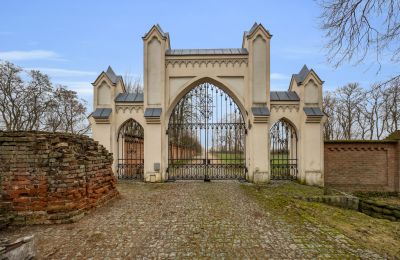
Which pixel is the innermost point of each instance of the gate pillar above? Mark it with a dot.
(155, 42)
(258, 150)
(152, 146)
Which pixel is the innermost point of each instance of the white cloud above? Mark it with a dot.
(81, 87)
(64, 72)
(29, 55)
(279, 76)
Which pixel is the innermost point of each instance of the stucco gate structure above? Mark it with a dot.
(232, 126)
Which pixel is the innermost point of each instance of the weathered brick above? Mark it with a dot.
(44, 174)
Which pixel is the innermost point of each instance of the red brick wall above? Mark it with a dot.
(53, 177)
(362, 166)
(177, 152)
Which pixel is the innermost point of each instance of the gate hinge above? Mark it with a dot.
(245, 131)
(166, 132)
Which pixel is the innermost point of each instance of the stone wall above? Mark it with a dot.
(362, 165)
(53, 177)
(380, 210)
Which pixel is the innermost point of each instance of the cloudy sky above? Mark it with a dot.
(73, 41)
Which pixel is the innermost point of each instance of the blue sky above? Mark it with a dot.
(73, 41)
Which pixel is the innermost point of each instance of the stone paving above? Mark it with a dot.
(186, 220)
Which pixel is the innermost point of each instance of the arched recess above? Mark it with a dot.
(103, 94)
(130, 154)
(206, 135)
(283, 150)
(311, 93)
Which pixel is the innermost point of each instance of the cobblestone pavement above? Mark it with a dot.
(186, 220)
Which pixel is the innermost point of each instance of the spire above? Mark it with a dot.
(300, 77)
(112, 76)
(255, 27)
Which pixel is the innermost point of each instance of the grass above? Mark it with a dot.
(380, 235)
(231, 158)
(281, 159)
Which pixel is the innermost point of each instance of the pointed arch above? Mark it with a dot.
(283, 149)
(130, 151)
(188, 86)
(104, 94)
(206, 134)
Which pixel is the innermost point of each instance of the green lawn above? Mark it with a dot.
(230, 158)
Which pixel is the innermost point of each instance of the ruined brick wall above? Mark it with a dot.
(362, 166)
(53, 177)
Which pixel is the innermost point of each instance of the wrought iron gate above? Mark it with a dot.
(206, 137)
(283, 151)
(130, 151)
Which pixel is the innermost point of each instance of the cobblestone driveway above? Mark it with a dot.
(186, 220)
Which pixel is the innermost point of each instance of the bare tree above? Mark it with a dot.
(358, 28)
(35, 105)
(23, 104)
(11, 95)
(329, 105)
(133, 84)
(392, 104)
(357, 113)
(38, 98)
(67, 113)
(349, 98)
(229, 139)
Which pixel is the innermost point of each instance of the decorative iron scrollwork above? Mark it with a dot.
(206, 134)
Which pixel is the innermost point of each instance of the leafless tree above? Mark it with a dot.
(38, 98)
(362, 113)
(67, 112)
(357, 28)
(11, 95)
(34, 104)
(133, 84)
(23, 104)
(229, 139)
(349, 98)
(392, 105)
(329, 105)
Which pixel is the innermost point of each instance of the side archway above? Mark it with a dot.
(130, 151)
(283, 151)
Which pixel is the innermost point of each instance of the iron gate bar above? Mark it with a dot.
(206, 134)
(283, 151)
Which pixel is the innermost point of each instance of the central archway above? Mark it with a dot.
(206, 136)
